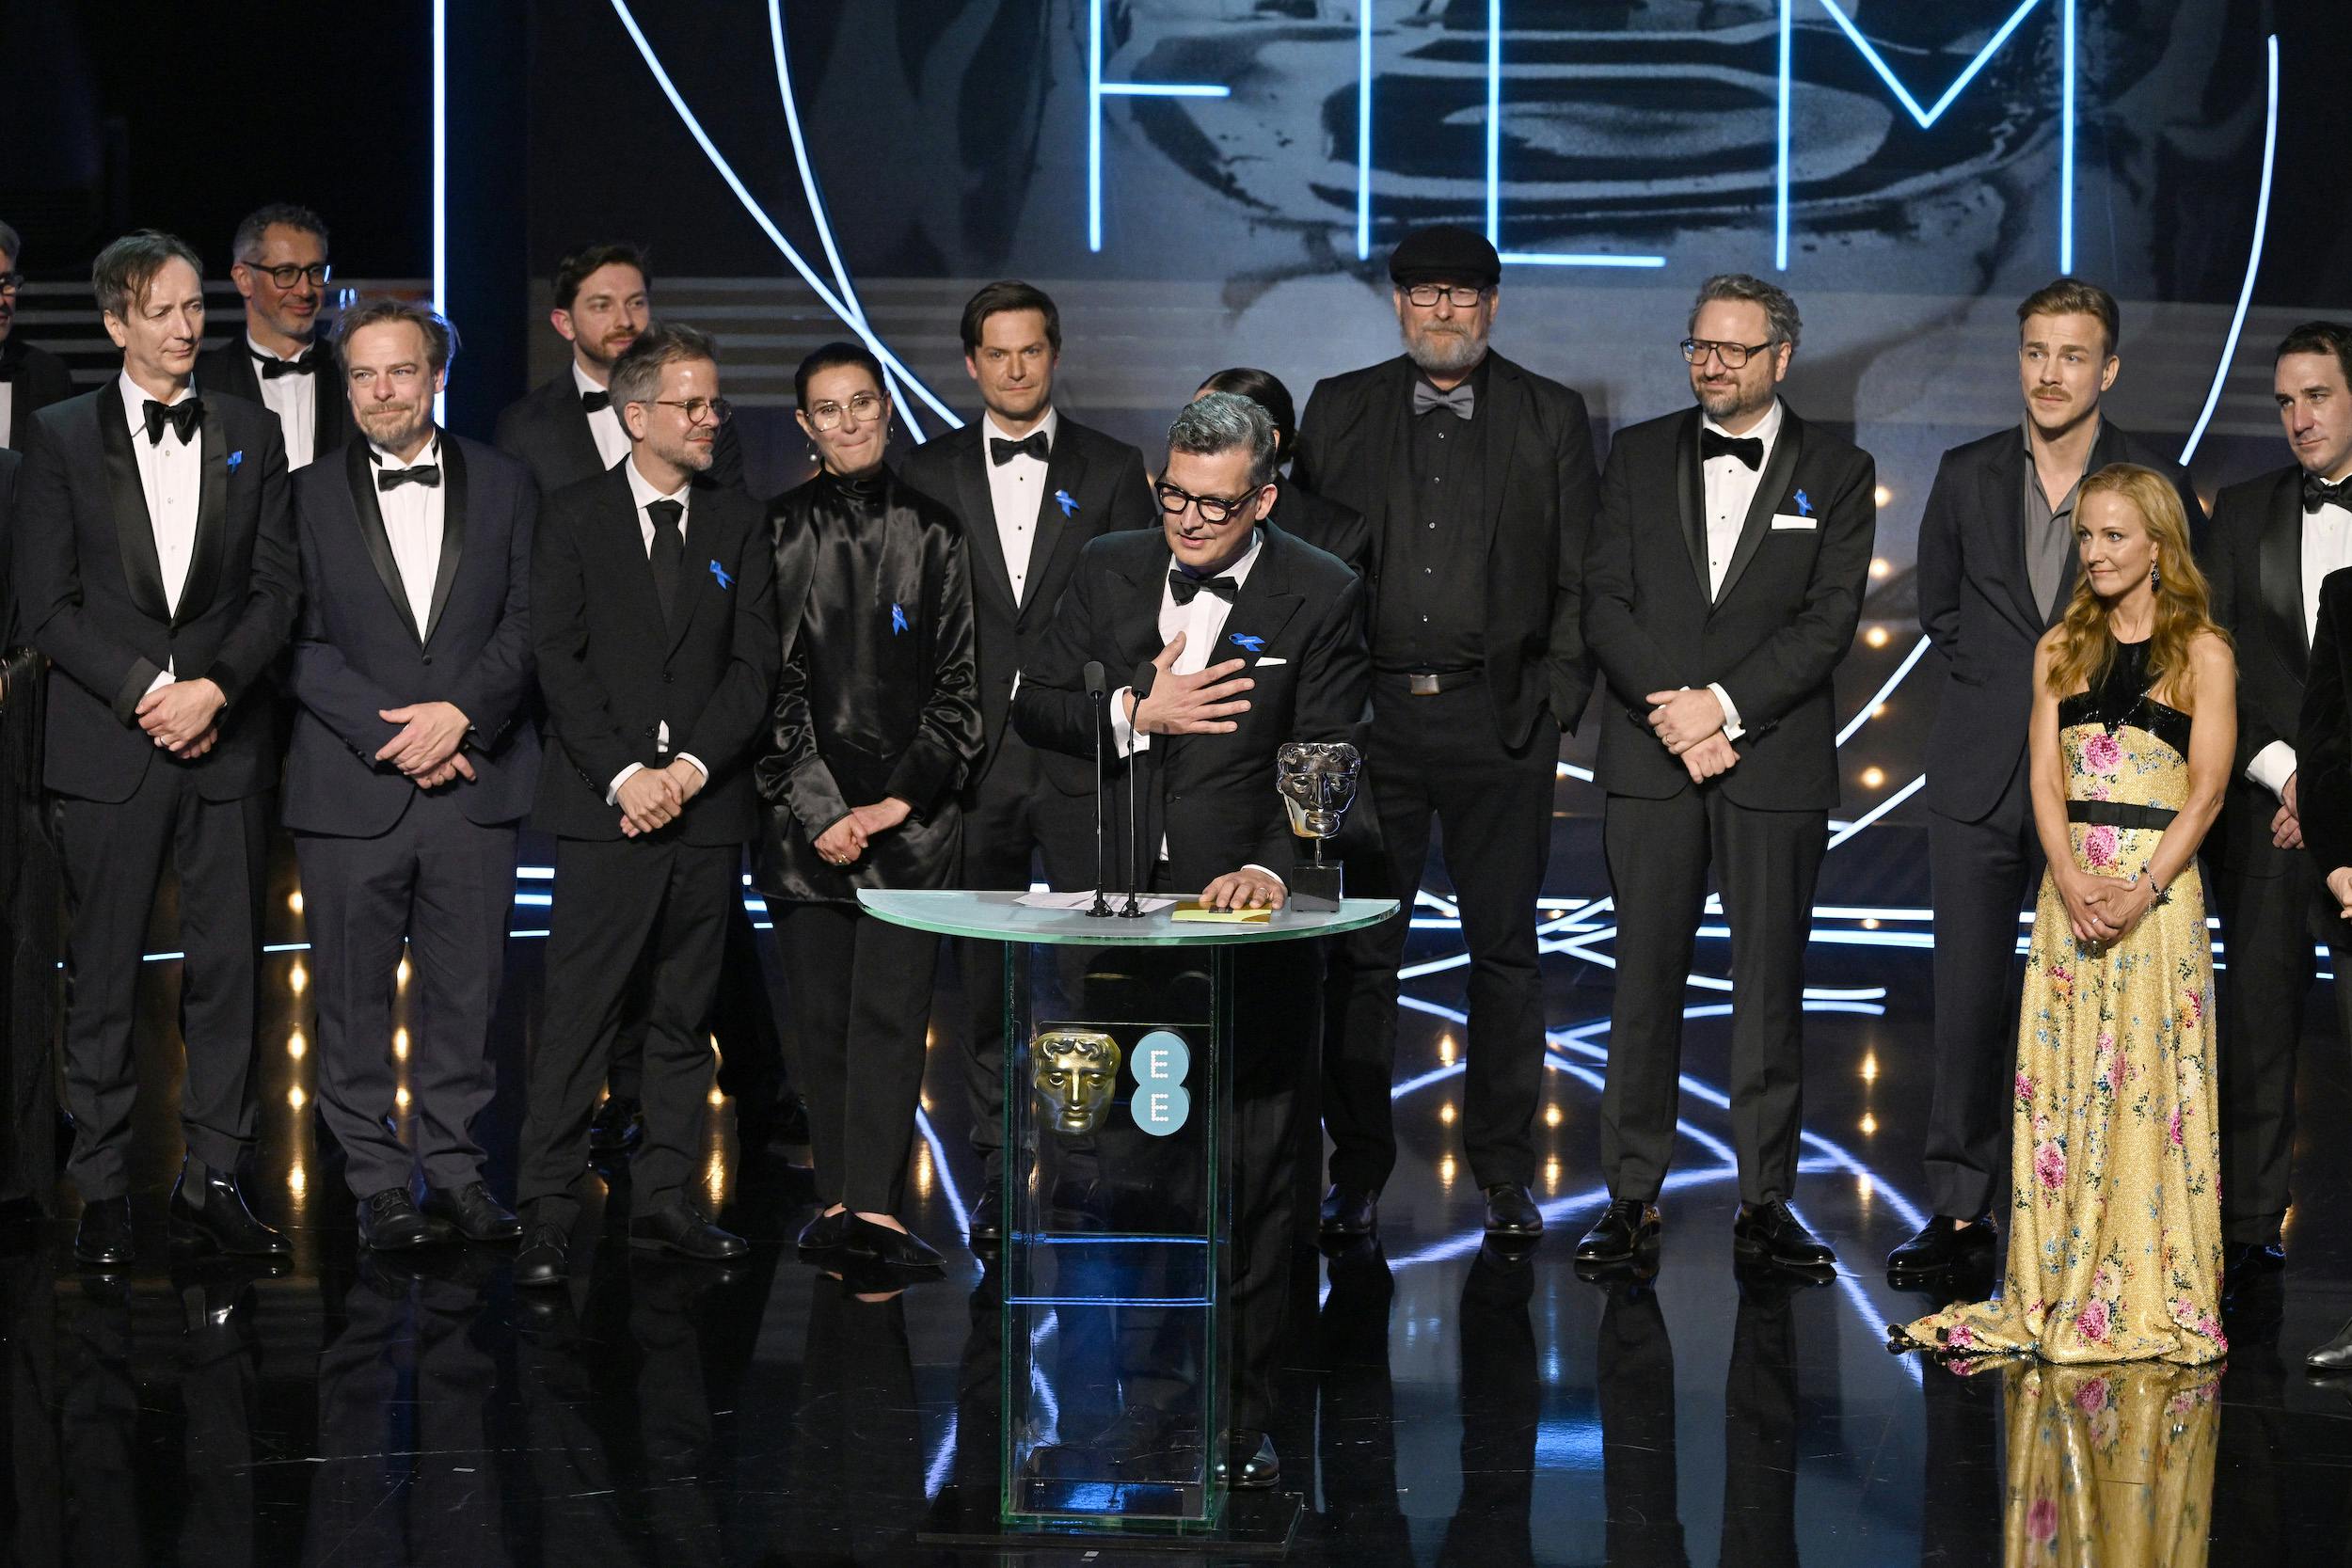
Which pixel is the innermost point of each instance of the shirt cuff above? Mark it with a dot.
(2272, 767)
(1267, 871)
(700, 767)
(163, 679)
(1732, 730)
(612, 795)
(1125, 739)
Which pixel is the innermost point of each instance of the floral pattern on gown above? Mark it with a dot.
(2110, 1464)
(2115, 1247)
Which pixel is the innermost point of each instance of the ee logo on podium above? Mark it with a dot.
(1162, 1103)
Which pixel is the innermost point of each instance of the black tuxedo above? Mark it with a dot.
(1772, 637)
(2273, 903)
(92, 594)
(1020, 806)
(382, 860)
(613, 670)
(10, 462)
(2324, 730)
(229, 367)
(39, 377)
(1477, 758)
(1977, 606)
(548, 428)
(1333, 528)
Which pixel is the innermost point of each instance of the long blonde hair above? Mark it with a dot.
(2086, 647)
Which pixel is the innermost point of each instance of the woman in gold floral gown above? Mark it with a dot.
(2115, 1221)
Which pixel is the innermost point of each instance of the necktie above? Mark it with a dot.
(1462, 402)
(1186, 588)
(1001, 452)
(184, 417)
(669, 552)
(427, 474)
(272, 368)
(596, 402)
(2317, 493)
(1747, 449)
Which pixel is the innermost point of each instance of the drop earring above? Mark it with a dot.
(2156, 580)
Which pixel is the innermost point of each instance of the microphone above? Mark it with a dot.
(1145, 674)
(1097, 683)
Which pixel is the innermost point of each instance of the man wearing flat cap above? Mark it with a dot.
(1475, 475)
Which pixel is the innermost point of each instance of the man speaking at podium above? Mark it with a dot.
(1250, 637)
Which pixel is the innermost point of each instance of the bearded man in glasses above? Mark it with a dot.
(283, 361)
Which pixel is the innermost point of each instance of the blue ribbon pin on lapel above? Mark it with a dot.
(1255, 644)
(1069, 503)
(720, 572)
(1804, 507)
(897, 619)
(234, 458)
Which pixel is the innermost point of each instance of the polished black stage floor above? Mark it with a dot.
(1446, 1404)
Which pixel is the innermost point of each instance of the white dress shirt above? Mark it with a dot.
(412, 521)
(294, 399)
(2327, 547)
(604, 424)
(7, 411)
(641, 490)
(1730, 490)
(1016, 491)
(171, 476)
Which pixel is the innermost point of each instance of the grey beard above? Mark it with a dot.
(1443, 352)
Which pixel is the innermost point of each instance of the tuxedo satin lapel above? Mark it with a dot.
(633, 566)
(211, 520)
(571, 418)
(1139, 617)
(2282, 570)
(135, 530)
(1065, 471)
(1690, 491)
(1771, 489)
(360, 474)
(1506, 395)
(978, 508)
(1263, 610)
(453, 531)
(706, 537)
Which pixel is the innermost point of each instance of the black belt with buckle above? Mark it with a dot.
(1430, 683)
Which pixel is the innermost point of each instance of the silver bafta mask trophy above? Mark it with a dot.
(1318, 783)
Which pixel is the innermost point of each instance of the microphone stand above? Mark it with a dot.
(1132, 910)
(1096, 682)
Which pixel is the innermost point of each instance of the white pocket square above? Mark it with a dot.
(1790, 520)
(1266, 663)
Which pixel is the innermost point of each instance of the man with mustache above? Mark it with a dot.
(30, 378)
(414, 755)
(156, 568)
(1475, 475)
(281, 270)
(1997, 566)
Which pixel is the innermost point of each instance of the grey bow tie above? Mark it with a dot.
(1461, 401)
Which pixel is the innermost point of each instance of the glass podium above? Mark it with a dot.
(1118, 1188)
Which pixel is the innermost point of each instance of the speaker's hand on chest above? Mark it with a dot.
(1206, 703)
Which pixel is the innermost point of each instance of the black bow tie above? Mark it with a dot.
(596, 402)
(306, 363)
(1747, 449)
(427, 474)
(2317, 493)
(1461, 401)
(184, 417)
(1001, 451)
(1186, 588)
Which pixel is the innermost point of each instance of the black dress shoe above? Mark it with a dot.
(1246, 1461)
(896, 1249)
(546, 1257)
(824, 1235)
(678, 1228)
(1626, 1227)
(103, 1237)
(1349, 1212)
(210, 1214)
(2242, 1260)
(1940, 1244)
(986, 1226)
(1511, 1210)
(390, 1221)
(476, 1216)
(2335, 1355)
(615, 1128)
(1774, 1234)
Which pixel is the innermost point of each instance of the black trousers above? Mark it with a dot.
(1984, 873)
(446, 884)
(1635, 1378)
(861, 1008)
(1014, 821)
(1766, 863)
(2268, 924)
(617, 902)
(742, 1020)
(115, 853)
(1502, 1404)
(1438, 761)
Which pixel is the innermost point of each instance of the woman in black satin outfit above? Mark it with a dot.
(877, 719)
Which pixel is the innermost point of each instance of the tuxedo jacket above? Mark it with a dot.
(359, 650)
(1538, 494)
(1976, 606)
(2323, 758)
(1773, 638)
(40, 378)
(10, 462)
(1107, 489)
(2253, 560)
(229, 367)
(1298, 621)
(613, 671)
(547, 429)
(1333, 528)
(90, 592)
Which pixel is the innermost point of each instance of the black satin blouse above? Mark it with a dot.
(879, 694)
